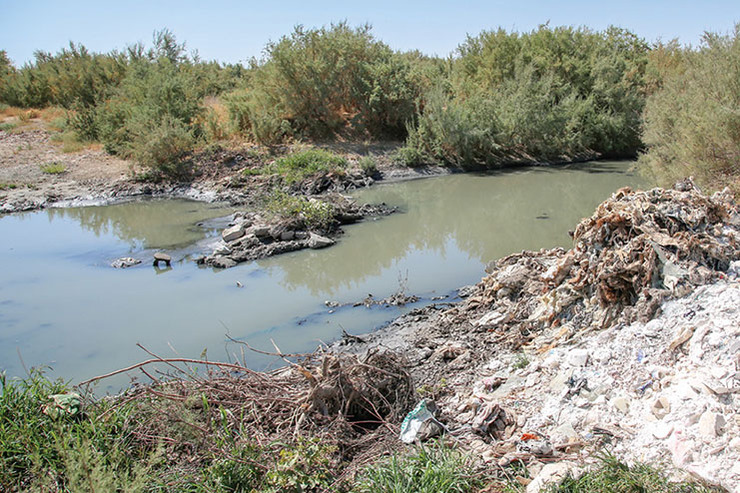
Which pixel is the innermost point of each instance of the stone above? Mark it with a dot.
(578, 357)
(223, 262)
(560, 382)
(565, 433)
(260, 231)
(550, 473)
(621, 404)
(735, 444)
(162, 257)
(287, 235)
(222, 250)
(661, 430)
(122, 263)
(233, 233)
(317, 241)
(661, 407)
(710, 424)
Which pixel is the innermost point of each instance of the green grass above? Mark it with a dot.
(614, 476)
(40, 451)
(431, 468)
(368, 165)
(7, 127)
(296, 167)
(8, 186)
(521, 361)
(70, 141)
(312, 214)
(54, 168)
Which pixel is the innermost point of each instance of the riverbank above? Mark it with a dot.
(624, 344)
(90, 176)
(558, 355)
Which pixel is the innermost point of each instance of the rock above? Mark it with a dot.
(317, 241)
(621, 404)
(551, 473)
(233, 233)
(661, 430)
(578, 357)
(735, 444)
(259, 231)
(162, 257)
(564, 433)
(123, 262)
(287, 235)
(661, 407)
(223, 262)
(710, 424)
(222, 250)
(491, 318)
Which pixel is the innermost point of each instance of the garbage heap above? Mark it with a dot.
(587, 349)
(638, 249)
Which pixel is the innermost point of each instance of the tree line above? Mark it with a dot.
(553, 94)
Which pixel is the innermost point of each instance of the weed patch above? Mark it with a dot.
(298, 166)
(54, 168)
(431, 468)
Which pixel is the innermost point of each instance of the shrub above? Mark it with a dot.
(161, 145)
(310, 213)
(54, 168)
(317, 83)
(409, 156)
(692, 121)
(297, 166)
(432, 468)
(548, 95)
(368, 165)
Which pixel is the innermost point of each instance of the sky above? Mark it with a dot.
(235, 31)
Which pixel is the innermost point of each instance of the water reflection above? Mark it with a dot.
(478, 217)
(61, 304)
(147, 224)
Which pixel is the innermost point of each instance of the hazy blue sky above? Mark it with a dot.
(231, 31)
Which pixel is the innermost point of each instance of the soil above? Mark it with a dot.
(93, 177)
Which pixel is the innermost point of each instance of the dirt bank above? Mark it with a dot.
(92, 177)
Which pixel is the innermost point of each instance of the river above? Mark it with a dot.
(63, 307)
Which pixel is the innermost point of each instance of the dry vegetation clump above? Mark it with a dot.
(343, 406)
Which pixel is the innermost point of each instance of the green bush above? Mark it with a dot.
(53, 168)
(692, 120)
(368, 165)
(431, 469)
(161, 145)
(554, 94)
(298, 166)
(40, 452)
(409, 155)
(317, 83)
(312, 214)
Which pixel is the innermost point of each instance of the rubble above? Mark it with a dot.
(252, 236)
(631, 340)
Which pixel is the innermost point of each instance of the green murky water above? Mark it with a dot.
(62, 305)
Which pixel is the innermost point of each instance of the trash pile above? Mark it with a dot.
(557, 355)
(637, 250)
